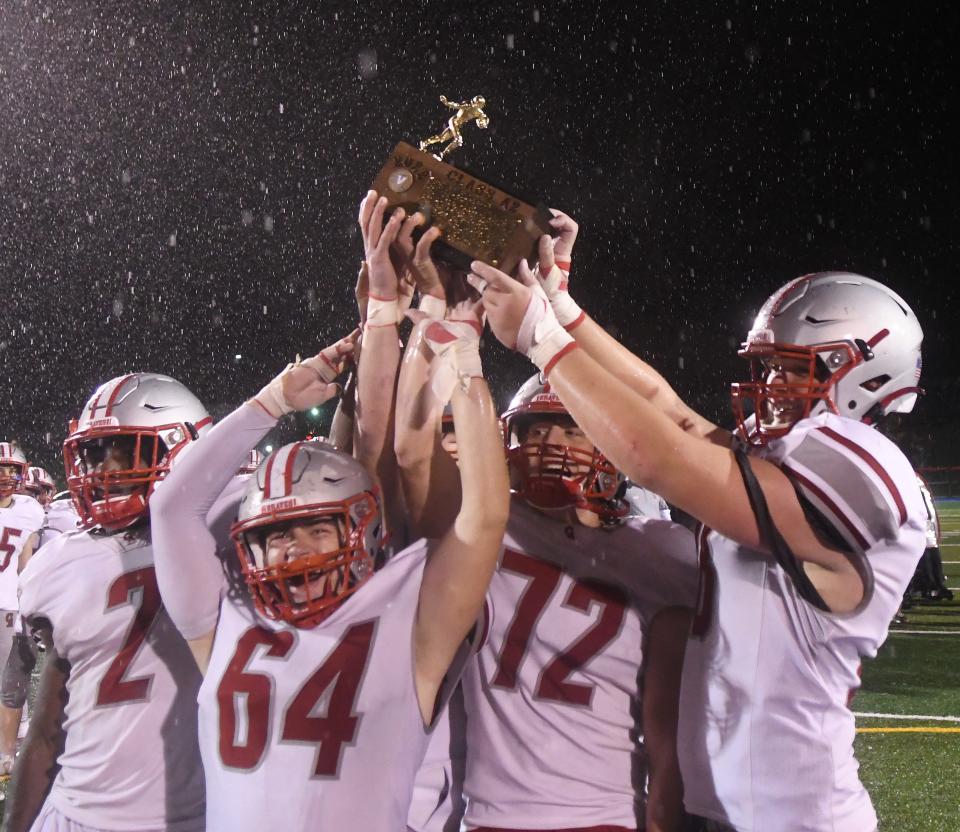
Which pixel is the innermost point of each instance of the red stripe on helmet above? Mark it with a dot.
(114, 394)
(288, 469)
(876, 339)
(267, 475)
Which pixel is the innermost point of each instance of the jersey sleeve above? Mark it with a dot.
(35, 516)
(189, 574)
(34, 583)
(854, 481)
(662, 565)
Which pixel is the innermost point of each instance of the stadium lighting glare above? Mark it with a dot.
(314, 411)
(269, 449)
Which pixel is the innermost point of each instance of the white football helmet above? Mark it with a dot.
(151, 418)
(557, 476)
(254, 458)
(39, 485)
(11, 457)
(299, 483)
(858, 340)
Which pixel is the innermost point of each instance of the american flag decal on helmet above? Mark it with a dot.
(919, 367)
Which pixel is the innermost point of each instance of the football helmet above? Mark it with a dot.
(11, 457)
(854, 346)
(38, 484)
(139, 421)
(301, 483)
(254, 458)
(557, 476)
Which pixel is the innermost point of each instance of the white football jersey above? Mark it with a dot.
(644, 503)
(131, 760)
(22, 518)
(437, 802)
(766, 734)
(316, 728)
(61, 517)
(552, 700)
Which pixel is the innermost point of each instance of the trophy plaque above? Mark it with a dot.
(479, 220)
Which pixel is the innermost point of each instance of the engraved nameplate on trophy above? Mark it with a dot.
(480, 221)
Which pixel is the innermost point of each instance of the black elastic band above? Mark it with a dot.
(769, 534)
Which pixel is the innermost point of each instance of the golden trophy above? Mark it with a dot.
(480, 221)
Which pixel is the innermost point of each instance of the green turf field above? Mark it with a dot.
(912, 766)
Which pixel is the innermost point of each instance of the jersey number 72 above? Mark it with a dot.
(543, 580)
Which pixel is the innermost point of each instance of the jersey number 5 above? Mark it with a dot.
(140, 589)
(543, 581)
(6, 547)
(342, 670)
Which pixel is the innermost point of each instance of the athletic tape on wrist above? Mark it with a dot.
(554, 285)
(456, 348)
(433, 306)
(541, 338)
(382, 311)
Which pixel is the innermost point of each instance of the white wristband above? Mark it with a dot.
(456, 348)
(433, 306)
(382, 311)
(564, 306)
(271, 397)
(541, 337)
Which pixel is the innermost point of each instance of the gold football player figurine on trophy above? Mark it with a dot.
(479, 220)
(467, 111)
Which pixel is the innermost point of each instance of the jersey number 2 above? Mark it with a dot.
(140, 588)
(342, 670)
(543, 581)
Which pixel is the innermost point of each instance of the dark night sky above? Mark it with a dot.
(179, 187)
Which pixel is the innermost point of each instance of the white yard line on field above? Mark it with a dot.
(912, 717)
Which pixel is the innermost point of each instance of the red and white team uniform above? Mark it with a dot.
(61, 517)
(300, 728)
(437, 802)
(321, 728)
(132, 686)
(22, 518)
(766, 734)
(553, 698)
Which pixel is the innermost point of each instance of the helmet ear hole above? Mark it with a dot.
(875, 383)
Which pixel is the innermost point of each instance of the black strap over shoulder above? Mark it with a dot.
(769, 534)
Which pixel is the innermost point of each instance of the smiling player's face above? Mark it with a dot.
(304, 538)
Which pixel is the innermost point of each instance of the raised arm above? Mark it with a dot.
(652, 449)
(189, 574)
(460, 565)
(379, 357)
(431, 481)
(341, 428)
(553, 273)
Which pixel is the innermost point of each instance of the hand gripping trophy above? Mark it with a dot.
(467, 111)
